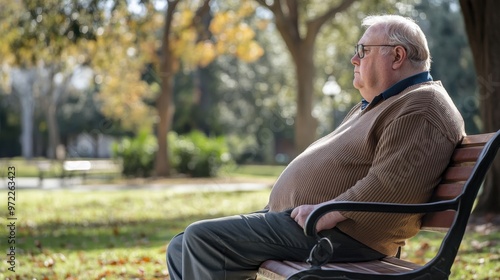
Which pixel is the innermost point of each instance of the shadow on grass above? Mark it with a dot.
(64, 220)
(100, 235)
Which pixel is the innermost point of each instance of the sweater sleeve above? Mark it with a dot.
(410, 157)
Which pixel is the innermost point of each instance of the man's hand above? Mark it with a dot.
(328, 221)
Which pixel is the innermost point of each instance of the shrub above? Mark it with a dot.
(197, 155)
(137, 154)
(193, 154)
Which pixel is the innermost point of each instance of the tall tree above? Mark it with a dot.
(22, 88)
(43, 36)
(184, 46)
(164, 104)
(119, 55)
(288, 16)
(482, 25)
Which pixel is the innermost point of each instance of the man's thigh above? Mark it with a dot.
(253, 238)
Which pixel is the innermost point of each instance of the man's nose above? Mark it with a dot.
(355, 59)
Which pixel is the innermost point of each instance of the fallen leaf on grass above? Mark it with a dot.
(81, 257)
(70, 277)
(116, 231)
(160, 274)
(104, 274)
(479, 246)
(484, 229)
(38, 244)
(424, 247)
(144, 259)
(49, 262)
(120, 261)
(61, 257)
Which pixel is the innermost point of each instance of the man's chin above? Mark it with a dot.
(356, 84)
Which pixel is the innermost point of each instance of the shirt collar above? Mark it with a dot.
(399, 87)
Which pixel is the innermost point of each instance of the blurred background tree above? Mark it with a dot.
(192, 39)
(229, 68)
(482, 25)
(41, 46)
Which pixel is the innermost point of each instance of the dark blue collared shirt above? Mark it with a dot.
(399, 87)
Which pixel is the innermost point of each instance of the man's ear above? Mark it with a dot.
(399, 57)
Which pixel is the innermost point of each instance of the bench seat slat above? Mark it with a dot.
(277, 270)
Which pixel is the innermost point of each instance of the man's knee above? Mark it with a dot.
(197, 230)
(175, 245)
(204, 234)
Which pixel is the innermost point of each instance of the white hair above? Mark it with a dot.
(405, 32)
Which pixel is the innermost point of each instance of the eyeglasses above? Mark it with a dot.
(359, 49)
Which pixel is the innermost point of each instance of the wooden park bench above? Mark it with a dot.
(43, 166)
(448, 210)
(72, 167)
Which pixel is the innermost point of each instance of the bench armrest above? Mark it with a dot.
(310, 226)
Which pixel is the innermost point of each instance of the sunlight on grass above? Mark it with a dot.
(66, 234)
(94, 235)
(257, 170)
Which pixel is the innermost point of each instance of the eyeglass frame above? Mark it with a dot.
(358, 53)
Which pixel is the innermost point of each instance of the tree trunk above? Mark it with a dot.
(201, 78)
(52, 129)
(164, 104)
(482, 25)
(22, 86)
(51, 92)
(165, 108)
(305, 123)
(301, 47)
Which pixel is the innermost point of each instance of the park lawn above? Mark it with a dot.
(64, 234)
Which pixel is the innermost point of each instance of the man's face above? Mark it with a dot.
(372, 73)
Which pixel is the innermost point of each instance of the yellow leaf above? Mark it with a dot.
(183, 19)
(246, 8)
(244, 32)
(206, 53)
(249, 52)
(221, 47)
(218, 23)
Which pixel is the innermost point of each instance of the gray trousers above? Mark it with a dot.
(233, 247)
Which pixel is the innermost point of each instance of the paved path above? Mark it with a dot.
(77, 184)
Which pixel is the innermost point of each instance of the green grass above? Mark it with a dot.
(28, 168)
(95, 235)
(66, 234)
(257, 170)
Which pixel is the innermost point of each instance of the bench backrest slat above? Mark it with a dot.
(447, 191)
(466, 154)
(457, 174)
(459, 170)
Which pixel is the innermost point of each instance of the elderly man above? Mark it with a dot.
(391, 147)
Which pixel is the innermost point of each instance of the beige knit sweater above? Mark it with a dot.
(394, 151)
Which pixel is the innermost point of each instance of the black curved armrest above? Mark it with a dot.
(310, 226)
